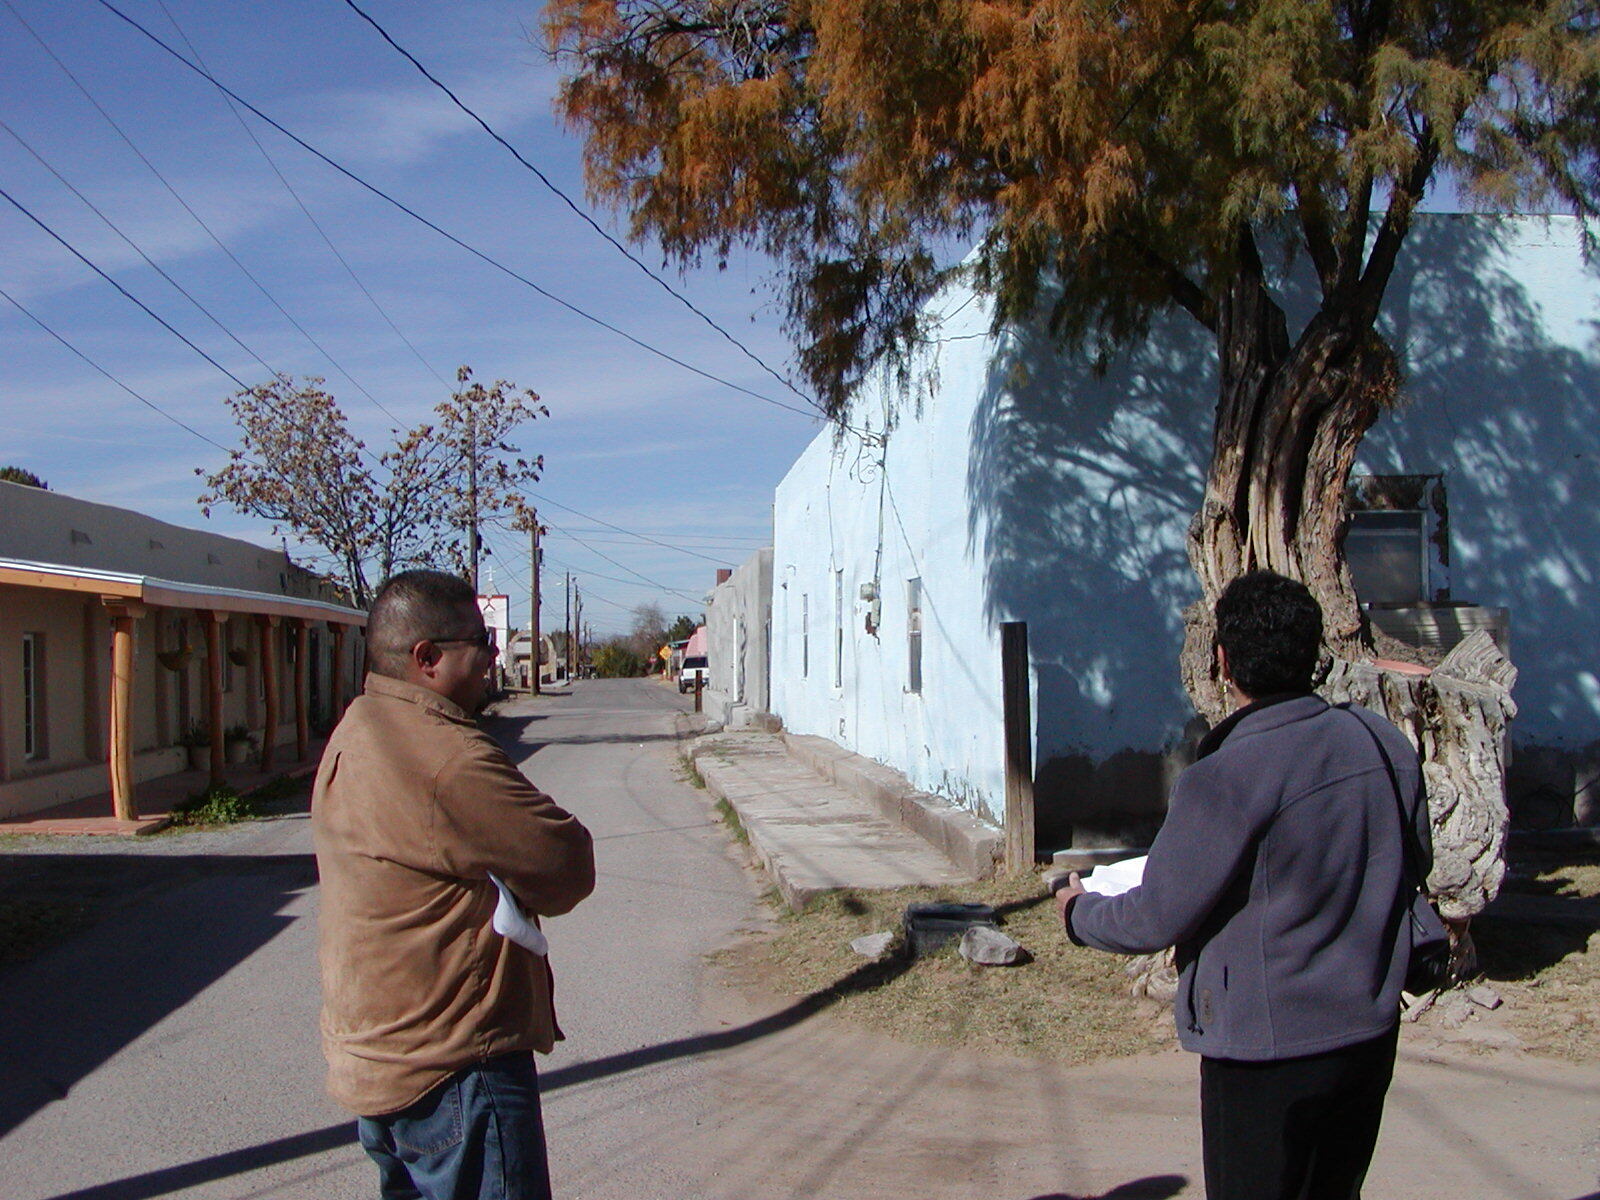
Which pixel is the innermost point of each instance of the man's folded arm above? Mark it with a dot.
(491, 820)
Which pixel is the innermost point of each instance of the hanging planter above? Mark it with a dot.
(176, 660)
(239, 656)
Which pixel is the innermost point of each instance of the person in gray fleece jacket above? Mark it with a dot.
(1280, 876)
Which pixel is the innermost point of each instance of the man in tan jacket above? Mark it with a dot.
(430, 1016)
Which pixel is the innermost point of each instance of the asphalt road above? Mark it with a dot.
(171, 1049)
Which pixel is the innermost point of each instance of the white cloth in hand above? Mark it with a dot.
(509, 922)
(1112, 879)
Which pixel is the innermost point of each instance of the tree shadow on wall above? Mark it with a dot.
(1509, 413)
(1080, 489)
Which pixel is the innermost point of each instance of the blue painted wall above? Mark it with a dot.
(1019, 485)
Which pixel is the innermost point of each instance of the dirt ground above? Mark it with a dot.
(1539, 949)
(1041, 1082)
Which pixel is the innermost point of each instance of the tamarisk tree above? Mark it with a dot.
(418, 502)
(1114, 160)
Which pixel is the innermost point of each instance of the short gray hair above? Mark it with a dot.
(409, 607)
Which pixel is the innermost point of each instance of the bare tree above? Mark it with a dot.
(299, 466)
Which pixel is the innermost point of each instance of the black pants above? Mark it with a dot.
(1295, 1129)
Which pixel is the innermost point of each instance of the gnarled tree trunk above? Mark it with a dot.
(1290, 419)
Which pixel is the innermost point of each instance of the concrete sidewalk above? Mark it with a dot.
(860, 826)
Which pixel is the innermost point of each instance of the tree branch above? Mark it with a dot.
(1185, 292)
(1391, 236)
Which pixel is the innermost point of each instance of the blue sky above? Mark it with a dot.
(632, 440)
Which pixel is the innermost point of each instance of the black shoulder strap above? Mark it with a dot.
(1408, 832)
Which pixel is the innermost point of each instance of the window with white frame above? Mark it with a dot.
(33, 726)
(914, 635)
(805, 634)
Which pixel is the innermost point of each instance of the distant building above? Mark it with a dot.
(122, 637)
(739, 640)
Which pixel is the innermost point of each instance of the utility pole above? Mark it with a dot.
(566, 628)
(533, 619)
(472, 496)
(577, 623)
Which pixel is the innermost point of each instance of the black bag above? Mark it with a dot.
(1428, 968)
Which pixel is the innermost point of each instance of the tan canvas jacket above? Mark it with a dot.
(414, 806)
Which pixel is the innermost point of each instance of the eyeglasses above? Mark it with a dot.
(484, 640)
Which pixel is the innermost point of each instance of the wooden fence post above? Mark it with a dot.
(1018, 717)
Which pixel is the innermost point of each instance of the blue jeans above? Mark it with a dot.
(477, 1136)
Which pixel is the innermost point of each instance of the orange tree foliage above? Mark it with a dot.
(1126, 153)
(299, 466)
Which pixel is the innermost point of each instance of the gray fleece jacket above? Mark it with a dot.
(1278, 875)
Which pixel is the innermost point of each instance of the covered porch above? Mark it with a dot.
(121, 674)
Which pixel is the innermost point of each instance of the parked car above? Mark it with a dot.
(693, 668)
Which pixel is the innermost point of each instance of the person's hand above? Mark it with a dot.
(1068, 891)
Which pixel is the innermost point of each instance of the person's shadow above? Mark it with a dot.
(1151, 1187)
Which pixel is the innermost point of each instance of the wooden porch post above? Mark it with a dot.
(338, 670)
(1017, 715)
(269, 683)
(212, 621)
(124, 805)
(302, 723)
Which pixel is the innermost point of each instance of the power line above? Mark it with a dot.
(631, 533)
(714, 537)
(20, 207)
(591, 595)
(448, 236)
(315, 224)
(198, 220)
(655, 583)
(76, 253)
(136, 248)
(150, 404)
(582, 215)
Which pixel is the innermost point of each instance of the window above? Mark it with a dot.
(33, 739)
(914, 635)
(1397, 539)
(805, 635)
(838, 629)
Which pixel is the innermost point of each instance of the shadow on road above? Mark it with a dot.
(169, 926)
(168, 1180)
(1151, 1187)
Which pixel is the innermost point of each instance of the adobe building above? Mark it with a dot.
(123, 639)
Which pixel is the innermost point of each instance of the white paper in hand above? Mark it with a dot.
(510, 923)
(1112, 879)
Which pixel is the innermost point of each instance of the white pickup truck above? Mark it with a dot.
(694, 667)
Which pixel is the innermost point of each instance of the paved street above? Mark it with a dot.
(172, 1051)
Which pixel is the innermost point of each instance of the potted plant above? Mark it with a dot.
(238, 744)
(196, 739)
(175, 660)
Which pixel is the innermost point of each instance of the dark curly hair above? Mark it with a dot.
(1270, 627)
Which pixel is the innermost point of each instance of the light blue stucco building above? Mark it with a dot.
(1015, 484)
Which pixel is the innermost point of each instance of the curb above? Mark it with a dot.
(969, 842)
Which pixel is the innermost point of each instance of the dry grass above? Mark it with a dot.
(1072, 1005)
(1549, 973)
(1068, 1004)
